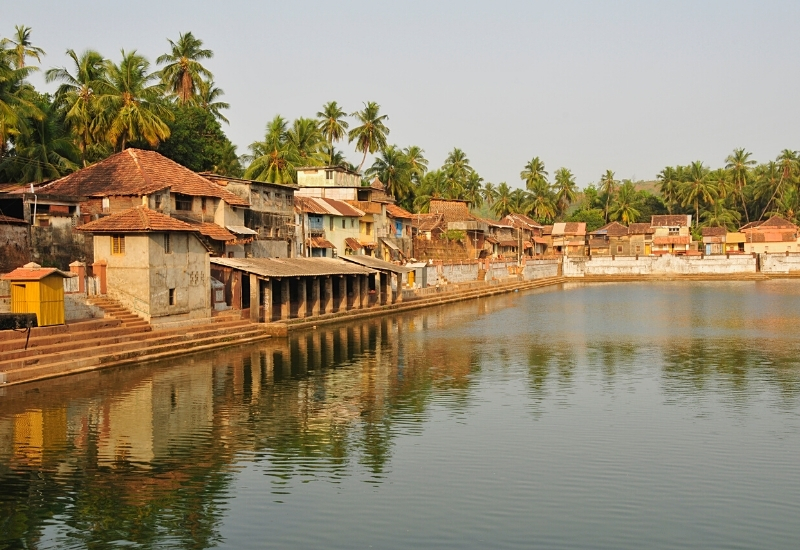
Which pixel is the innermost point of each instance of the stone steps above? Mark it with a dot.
(115, 310)
(192, 342)
(38, 351)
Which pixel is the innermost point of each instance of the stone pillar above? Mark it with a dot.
(302, 305)
(399, 297)
(79, 269)
(364, 290)
(99, 270)
(386, 288)
(327, 295)
(285, 310)
(356, 292)
(342, 293)
(255, 302)
(378, 292)
(267, 300)
(315, 297)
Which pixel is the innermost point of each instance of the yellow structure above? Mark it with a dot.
(39, 290)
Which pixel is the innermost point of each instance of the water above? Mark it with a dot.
(657, 415)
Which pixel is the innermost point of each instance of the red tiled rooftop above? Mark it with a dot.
(397, 212)
(670, 220)
(136, 220)
(33, 272)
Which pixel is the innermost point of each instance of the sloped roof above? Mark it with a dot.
(777, 222)
(613, 229)
(333, 207)
(714, 231)
(293, 267)
(136, 220)
(640, 229)
(320, 242)
(34, 272)
(522, 221)
(569, 228)
(427, 222)
(671, 220)
(11, 221)
(394, 211)
(135, 172)
(376, 263)
(214, 231)
(452, 210)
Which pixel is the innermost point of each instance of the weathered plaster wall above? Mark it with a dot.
(540, 269)
(59, 246)
(14, 247)
(661, 265)
(780, 263)
(128, 274)
(186, 269)
(270, 249)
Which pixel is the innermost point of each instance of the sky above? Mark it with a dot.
(628, 86)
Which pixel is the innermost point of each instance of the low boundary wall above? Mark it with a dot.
(660, 265)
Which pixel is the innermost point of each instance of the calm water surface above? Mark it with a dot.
(599, 416)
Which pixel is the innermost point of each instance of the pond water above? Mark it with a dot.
(654, 415)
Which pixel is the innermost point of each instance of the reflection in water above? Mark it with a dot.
(152, 454)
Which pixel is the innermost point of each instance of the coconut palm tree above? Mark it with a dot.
(131, 105)
(788, 205)
(669, 183)
(392, 167)
(489, 193)
(502, 202)
(473, 190)
(697, 188)
(77, 95)
(207, 98)
(738, 165)
(332, 125)
(307, 141)
(719, 215)
(541, 203)
(566, 190)
(417, 161)
(721, 179)
(21, 47)
(533, 173)
(17, 101)
(432, 186)
(370, 135)
(183, 73)
(789, 164)
(458, 169)
(274, 159)
(624, 208)
(608, 186)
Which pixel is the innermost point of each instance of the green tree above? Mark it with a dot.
(131, 106)
(502, 202)
(489, 193)
(566, 190)
(458, 169)
(789, 165)
(533, 173)
(307, 141)
(608, 187)
(719, 215)
(370, 135)
(274, 159)
(542, 203)
(196, 139)
(473, 190)
(77, 96)
(208, 98)
(332, 125)
(624, 207)
(21, 47)
(738, 164)
(183, 73)
(592, 217)
(417, 161)
(17, 101)
(392, 167)
(432, 186)
(697, 188)
(669, 184)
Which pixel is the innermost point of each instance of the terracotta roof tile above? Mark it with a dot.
(34, 272)
(397, 212)
(453, 211)
(427, 222)
(214, 231)
(777, 222)
(136, 220)
(613, 229)
(640, 229)
(714, 231)
(135, 172)
(522, 221)
(671, 220)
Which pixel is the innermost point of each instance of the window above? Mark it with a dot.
(344, 221)
(203, 204)
(183, 202)
(619, 249)
(638, 249)
(118, 244)
(352, 223)
(368, 228)
(328, 174)
(158, 201)
(106, 204)
(330, 220)
(674, 230)
(167, 247)
(172, 296)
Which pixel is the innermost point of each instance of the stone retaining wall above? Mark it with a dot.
(780, 263)
(659, 265)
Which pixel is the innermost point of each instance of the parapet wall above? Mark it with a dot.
(780, 263)
(660, 265)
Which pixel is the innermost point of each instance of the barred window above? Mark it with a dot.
(118, 244)
(167, 246)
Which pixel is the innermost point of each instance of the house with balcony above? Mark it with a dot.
(328, 228)
(775, 235)
(671, 233)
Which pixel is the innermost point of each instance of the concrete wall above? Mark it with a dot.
(780, 263)
(659, 265)
(270, 249)
(128, 274)
(540, 269)
(186, 270)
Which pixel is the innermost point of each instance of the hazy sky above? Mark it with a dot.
(630, 86)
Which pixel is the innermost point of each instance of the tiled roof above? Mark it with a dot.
(453, 211)
(333, 207)
(135, 172)
(11, 221)
(136, 220)
(214, 231)
(522, 221)
(377, 184)
(427, 222)
(684, 239)
(714, 231)
(671, 220)
(776, 222)
(598, 243)
(395, 211)
(353, 244)
(494, 223)
(771, 237)
(613, 229)
(34, 272)
(293, 267)
(547, 230)
(320, 242)
(640, 229)
(569, 228)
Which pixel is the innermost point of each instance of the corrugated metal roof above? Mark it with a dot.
(375, 263)
(293, 267)
(333, 207)
(320, 242)
(353, 244)
(240, 230)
